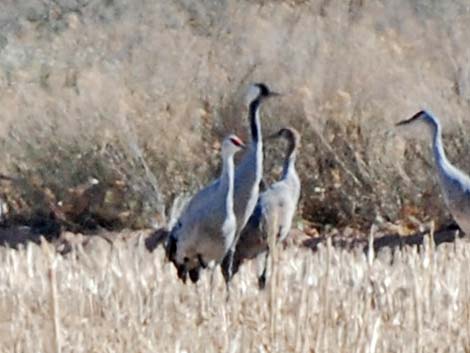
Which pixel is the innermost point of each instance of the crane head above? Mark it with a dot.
(259, 91)
(289, 133)
(232, 144)
(415, 118)
(420, 125)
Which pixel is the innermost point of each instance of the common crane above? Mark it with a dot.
(249, 171)
(276, 206)
(455, 184)
(206, 228)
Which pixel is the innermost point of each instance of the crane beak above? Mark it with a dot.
(274, 94)
(273, 136)
(404, 122)
(241, 144)
(413, 118)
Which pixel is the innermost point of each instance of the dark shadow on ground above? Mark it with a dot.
(446, 234)
(40, 226)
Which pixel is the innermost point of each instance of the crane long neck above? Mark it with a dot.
(289, 160)
(437, 147)
(255, 125)
(226, 179)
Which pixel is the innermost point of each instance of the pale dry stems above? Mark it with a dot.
(122, 299)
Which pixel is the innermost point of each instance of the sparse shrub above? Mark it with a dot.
(141, 94)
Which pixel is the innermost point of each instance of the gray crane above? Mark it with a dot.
(455, 184)
(206, 228)
(249, 171)
(276, 206)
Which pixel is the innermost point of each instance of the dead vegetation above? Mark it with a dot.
(138, 97)
(111, 110)
(119, 297)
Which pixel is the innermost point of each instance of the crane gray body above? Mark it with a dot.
(454, 183)
(277, 205)
(206, 228)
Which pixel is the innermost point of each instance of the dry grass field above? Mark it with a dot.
(121, 298)
(112, 110)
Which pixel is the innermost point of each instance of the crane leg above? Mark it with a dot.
(262, 276)
(182, 272)
(227, 270)
(170, 248)
(194, 274)
(227, 266)
(201, 261)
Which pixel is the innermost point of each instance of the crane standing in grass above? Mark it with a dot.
(455, 184)
(275, 209)
(206, 229)
(249, 172)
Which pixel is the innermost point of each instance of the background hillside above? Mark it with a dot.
(128, 100)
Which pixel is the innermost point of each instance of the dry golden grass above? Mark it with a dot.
(122, 299)
(137, 94)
